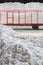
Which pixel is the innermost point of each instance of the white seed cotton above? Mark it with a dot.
(16, 49)
(20, 50)
(21, 6)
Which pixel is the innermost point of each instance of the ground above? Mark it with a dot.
(28, 31)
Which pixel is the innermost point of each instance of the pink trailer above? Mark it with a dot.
(32, 18)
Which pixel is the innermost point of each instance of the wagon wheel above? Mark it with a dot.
(35, 27)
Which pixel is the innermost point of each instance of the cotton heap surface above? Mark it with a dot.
(21, 6)
(20, 50)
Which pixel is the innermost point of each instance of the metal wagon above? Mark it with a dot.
(32, 18)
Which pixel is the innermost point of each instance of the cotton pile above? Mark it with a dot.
(20, 50)
(12, 52)
(21, 6)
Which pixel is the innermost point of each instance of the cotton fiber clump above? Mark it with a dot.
(20, 50)
(11, 51)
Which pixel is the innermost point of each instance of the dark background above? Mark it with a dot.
(22, 1)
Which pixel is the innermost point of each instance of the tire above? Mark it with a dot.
(35, 27)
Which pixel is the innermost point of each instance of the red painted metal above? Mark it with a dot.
(7, 17)
(18, 17)
(12, 17)
(19, 24)
(25, 17)
(40, 24)
(31, 18)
